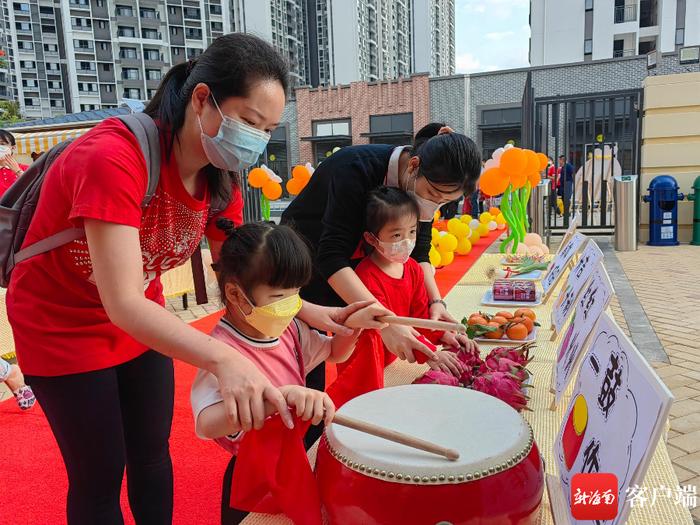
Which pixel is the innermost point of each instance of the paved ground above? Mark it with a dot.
(666, 282)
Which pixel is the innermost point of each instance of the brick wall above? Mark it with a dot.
(448, 101)
(357, 102)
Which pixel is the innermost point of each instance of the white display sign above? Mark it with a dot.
(614, 421)
(592, 302)
(561, 259)
(579, 274)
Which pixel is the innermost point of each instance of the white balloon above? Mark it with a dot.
(474, 224)
(496, 155)
(508, 146)
(490, 164)
(501, 226)
(443, 233)
(492, 225)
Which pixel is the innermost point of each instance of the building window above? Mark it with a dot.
(87, 87)
(589, 5)
(54, 84)
(177, 51)
(151, 34)
(132, 93)
(130, 73)
(128, 52)
(104, 46)
(87, 66)
(680, 36)
(149, 13)
(192, 13)
(153, 74)
(193, 52)
(587, 46)
(126, 31)
(29, 83)
(100, 3)
(83, 3)
(193, 33)
(172, 10)
(106, 67)
(23, 26)
(83, 44)
(102, 24)
(56, 103)
(45, 10)
(81, 23)
(28, 101)
(151, 93)
(215, 9)
(51, 48)
(330, 128)
(88, 107)
(27, 64)
(52, 66)
(109, 88)
(125, 10)
(151, 54)
(24, 8)
(174, 30)
(217, 26)
(23, 44)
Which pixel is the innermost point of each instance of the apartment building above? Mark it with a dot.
(65, 56)
(77, 55)
(564, 31)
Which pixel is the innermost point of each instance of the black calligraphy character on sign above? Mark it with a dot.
(591, 460)
(591, 301)
(611, 384)
(582, 266)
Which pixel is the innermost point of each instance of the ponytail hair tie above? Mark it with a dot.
(226, 226)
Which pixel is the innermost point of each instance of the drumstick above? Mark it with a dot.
(396, 437)
(423, 323)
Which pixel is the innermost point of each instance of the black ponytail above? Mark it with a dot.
(230, 66)
(262, 253)
(449, 159)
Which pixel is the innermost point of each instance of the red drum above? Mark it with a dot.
(498, 478)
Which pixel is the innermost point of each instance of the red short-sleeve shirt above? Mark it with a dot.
(59, 324)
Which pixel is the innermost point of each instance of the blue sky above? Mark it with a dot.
(491, 34)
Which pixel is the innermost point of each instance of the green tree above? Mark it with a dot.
(9, 112)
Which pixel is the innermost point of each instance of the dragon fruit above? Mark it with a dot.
(467, 376)
(519, 354)
(469, 358)
(503, 364)
(503, 386)
(437, 377)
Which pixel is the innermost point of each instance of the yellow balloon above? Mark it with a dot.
(500, 219)
(464, 246)
(435, 236)
(436, 217)
(474, 237)
(447, 243)
(485, 218)
(453, 226)
(466, 219)
(446, 258)
(435, 257)
(483, 229)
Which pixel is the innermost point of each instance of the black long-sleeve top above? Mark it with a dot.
(330, 211)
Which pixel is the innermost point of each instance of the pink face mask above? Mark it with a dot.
(398, 251)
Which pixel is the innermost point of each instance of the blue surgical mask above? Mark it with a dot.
(236, 146)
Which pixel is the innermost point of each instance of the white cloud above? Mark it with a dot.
(467, 63)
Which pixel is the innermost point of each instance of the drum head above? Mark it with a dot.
(488, 434)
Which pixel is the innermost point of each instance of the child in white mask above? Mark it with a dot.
(393, 277)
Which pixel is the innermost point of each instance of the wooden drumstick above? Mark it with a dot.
(396, 437)
(423, 323)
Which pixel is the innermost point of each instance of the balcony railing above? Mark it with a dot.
(619, 53)
(626, 13)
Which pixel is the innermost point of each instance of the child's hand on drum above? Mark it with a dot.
(447, 362)
(310, 404)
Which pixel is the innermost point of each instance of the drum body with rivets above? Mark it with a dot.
(498, 479)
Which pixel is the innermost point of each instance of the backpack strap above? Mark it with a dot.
(297, 349)
(146, 132)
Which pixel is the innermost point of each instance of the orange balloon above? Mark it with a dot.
(519, 180)
(493, 181)
(301, 172)
(533, 163)
(494, 211)
(543, 160)
(294, 186)
(272, 190)
(534, 177)
(513, 161)
(257, 177)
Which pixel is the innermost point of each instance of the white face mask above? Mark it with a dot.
(236, 146)
(398, 251)
(426, 207)
(5, 150)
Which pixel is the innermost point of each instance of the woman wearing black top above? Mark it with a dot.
(441, 167)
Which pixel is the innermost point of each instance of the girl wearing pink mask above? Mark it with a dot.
(394, 277)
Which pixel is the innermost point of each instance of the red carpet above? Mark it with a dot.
(32, 477)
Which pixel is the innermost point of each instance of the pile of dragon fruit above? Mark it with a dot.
(502, 373)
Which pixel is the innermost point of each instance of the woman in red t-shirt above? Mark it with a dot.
(10, 169)
(86, 314)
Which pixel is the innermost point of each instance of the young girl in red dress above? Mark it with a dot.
(394, 278)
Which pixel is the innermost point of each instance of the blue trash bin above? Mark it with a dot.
(663, 200)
